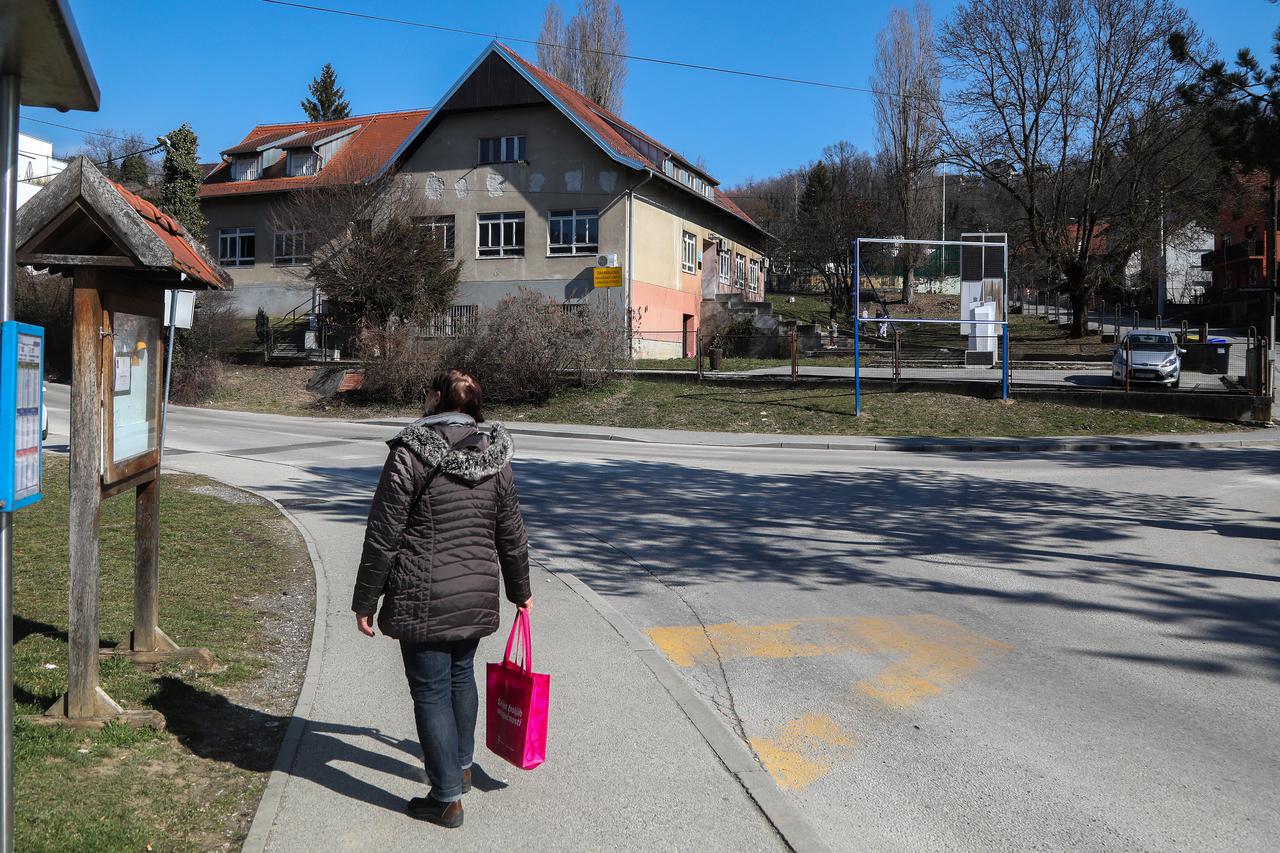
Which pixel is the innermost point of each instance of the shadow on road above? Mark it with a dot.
(632, 521)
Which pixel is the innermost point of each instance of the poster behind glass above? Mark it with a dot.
(136, 347)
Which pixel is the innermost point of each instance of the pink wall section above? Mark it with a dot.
(663, 313)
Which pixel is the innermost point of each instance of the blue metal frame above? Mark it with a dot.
(857, 324)
(9, 332)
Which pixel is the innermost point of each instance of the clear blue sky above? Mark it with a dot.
(225, 66)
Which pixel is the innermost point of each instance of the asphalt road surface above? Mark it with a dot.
(1072, 651)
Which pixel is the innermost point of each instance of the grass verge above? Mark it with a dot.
(826, 411)
(663, 405)
(236, 578)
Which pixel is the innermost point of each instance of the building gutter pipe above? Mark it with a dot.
(631, 230)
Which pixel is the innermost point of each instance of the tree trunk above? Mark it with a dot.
(908, 285)
(1079, 308)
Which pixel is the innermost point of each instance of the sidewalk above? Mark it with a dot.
(627, 769)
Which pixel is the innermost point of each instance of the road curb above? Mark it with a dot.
(796, 832)
(1088, 444)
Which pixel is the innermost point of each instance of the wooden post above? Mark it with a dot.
(146, 576)
(83, 700)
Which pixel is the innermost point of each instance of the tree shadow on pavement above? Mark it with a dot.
(1088, 547)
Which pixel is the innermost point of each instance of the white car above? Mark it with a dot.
(1148, 356)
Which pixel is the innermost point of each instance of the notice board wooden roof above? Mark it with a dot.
(82, 219)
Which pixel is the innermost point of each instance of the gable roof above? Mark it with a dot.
(602, 126)
(81, 212)
(374, 139)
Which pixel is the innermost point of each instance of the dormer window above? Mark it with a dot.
(303, 163)
(247, 168)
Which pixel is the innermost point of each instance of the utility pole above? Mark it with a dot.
(944, 206)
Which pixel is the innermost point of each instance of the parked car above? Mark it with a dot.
(1153, 357)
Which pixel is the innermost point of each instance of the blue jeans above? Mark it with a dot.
(442, 682)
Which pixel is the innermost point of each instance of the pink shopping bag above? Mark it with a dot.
(516, 696)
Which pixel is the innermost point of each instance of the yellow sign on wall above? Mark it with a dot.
(607, 276)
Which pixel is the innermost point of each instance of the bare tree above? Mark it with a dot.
(586, 52)
(110, 148)
(1070, 107)
(373, 248)
(906, 81)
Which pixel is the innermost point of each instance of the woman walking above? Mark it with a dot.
(445, 520)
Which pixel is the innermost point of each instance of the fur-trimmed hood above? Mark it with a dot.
(468, 459)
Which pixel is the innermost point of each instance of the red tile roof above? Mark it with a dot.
(603, 123)
(362, 156)
(316, 137)
(253, 143)
(186, 258)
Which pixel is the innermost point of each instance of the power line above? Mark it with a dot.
(651, 59)
(155, 147)
(76, 129)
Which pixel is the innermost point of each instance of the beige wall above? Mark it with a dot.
(276, 289)
(565, 169)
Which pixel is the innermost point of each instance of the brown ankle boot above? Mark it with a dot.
(448, 815)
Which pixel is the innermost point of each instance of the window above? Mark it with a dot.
(669, 168)
(1231, 279)
(502, 149)
(739, 271)
(500, 235)
(246, 168)
(291, 247)
(303, 163)
(725, 260)
(441, 228)
(236, 247)
(753, 278)
(574, 232)
(689, 253)
(1253, 276)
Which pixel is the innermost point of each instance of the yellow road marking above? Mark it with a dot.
(935, 652)
(799, 755)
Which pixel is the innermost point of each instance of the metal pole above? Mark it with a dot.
(9, 98)
(857, 316)
(168, 375)
(1004, 379)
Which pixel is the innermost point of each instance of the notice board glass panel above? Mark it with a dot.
(135, 392)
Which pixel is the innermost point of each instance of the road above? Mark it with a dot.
(1045, 651)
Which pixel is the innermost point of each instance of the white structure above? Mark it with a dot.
(36, 165)
(1182, 280)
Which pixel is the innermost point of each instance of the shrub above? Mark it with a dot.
(523, 349)
(45, 300)
(529, 345)
(398, 363)
(198, 352)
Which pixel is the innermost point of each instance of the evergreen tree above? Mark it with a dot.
(326, 102)
(133, 170)
(180, 192)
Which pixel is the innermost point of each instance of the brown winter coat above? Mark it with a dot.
(445, 518)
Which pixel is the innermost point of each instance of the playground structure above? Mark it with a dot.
(976, 271)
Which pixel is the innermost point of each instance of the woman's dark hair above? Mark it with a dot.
(459, 392)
